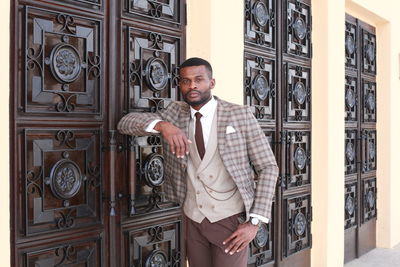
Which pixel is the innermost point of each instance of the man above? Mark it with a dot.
(212, 149)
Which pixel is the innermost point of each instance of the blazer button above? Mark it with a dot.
(211, 176)
(213, 207)
(200, 206)
(198, 177)
(198, 192)
(183, 166)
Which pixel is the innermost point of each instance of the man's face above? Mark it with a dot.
(195, 85)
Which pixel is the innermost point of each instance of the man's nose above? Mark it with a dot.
(192, 84)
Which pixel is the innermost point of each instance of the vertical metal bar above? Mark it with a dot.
(132, 175)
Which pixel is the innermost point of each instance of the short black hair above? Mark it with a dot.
(196, 61)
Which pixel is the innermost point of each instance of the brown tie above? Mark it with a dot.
(198, 136)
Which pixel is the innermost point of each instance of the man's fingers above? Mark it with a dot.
(242, 246)
(181, 147)
(232, 236)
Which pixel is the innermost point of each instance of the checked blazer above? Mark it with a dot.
(245, 152)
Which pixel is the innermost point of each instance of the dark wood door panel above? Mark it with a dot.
(360, 138)
(296, 224)
(260, 86)
(63, 63)
(84, 252)
(149, 241)
(62, 179)
(151, 61)
(260, 22)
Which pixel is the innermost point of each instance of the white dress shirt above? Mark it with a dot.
(207, 111)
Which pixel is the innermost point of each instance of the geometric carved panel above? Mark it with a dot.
(63, 63)
(369, 101)
(297, 224)
(156, 10)
(261, 248)
(153, 60)
(260, 86)
(369, 199)
(351, 44)
(298, 93)
(83, 253)
(369, 52)
(350, 205)
(369, 150)
(260, 23)
(351, 151)
(298, 28)
(156, 245)
(298, 163)
(351, 101)
(149, 194)
(62, 179)
(90, 4)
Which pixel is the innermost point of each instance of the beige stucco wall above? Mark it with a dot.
(212, 35)
(4, 134)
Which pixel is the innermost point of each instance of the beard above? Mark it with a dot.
(204, 98)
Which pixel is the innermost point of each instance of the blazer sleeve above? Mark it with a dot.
(135, 123)
(264, 163)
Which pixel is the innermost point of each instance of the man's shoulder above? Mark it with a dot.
(232, 107)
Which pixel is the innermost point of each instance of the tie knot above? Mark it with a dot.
(198, 115)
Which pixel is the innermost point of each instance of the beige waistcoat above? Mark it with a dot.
(211, 191)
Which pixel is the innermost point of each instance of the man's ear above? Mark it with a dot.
(212, 83)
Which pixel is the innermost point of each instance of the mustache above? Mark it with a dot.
(197, 91)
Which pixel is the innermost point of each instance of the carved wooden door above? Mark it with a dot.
(361, 137)
(277, 75)
(81, 194)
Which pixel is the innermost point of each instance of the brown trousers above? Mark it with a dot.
(204, 243)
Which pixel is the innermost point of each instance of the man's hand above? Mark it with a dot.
(176, 138)
(239, 239)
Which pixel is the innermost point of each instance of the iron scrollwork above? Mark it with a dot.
(298, 28)
(63, 179)
(298, 224)
(298, 105)
(260, 23)
(156, 245)
(153, 76)
(369, 52)
(351, 207)
(369, 103)
(158, 10)
(351, 98)
(369, 150)
(351, 151)
(62, 63)
(369, 199)
(259, 86)
(351, 43)
(298, 147)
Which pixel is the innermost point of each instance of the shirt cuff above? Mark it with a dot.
(261, 218)
(150, 128)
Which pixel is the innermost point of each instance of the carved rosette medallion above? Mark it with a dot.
(371, 150)
(350, 151)
(350, 205)
(261, 87)
(300, 93)
(371, 199)
(157, 259)
(370, 102)
(261, 15)
(65, 179)
(300, 28)
(300, 224)
(350, 45)
(300, 158)
(154, 170)
(156, 74)
(262, 236)
(350, 98)
(370, 51)
(65, 63)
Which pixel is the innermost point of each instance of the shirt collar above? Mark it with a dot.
(207, 110)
